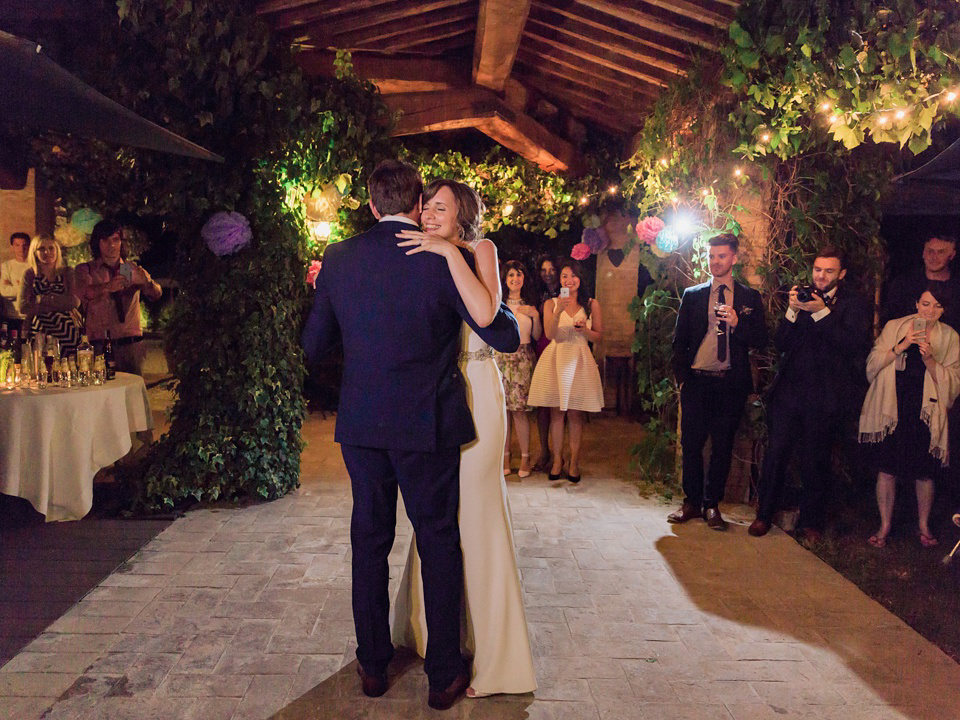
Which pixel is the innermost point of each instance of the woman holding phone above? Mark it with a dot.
(566, 378)
(914, 374)
(110, 288)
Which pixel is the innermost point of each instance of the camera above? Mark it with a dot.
(806, 293)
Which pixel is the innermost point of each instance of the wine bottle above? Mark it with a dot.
(84, 361)
(111, 363)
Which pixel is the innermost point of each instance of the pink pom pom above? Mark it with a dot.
(312, 273)
(580, 251)
(648, 229)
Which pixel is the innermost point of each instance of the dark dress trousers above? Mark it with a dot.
(819, 380)
(403, 415)
(712, 406)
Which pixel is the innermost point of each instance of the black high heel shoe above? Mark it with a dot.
(573, 478)
(555, 476)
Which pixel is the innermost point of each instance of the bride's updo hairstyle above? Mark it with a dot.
(470, 207)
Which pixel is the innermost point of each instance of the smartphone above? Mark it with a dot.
(564, 292)
(126, 269)
(919, 324)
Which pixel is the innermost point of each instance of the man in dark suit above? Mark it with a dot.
(718, 323)
(901, 298)
(402, 418)
(823, 342)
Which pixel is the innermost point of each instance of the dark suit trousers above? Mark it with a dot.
(430, 483)
(795, 423)
(711, 407)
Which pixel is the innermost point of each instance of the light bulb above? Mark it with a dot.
(900, 114)
(951, 96)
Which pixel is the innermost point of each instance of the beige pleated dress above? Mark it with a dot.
(496, 624)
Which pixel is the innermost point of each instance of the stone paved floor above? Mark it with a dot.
(245, 613)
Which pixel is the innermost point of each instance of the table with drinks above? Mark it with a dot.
(62, 419)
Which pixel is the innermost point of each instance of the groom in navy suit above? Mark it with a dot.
(402, 418)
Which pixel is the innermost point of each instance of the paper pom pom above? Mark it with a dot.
(226, 232)
(596, 239)
(312, 273)
(648, 229)
(84, 219)
(580, 251)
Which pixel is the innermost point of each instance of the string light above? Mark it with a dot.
(766, 137)
(507, 209)
(900, 114)
(835, 119)
(883, 120)
(663, 161)
(612, 189)
(737, 172)
(584, 200)
(951, 96)
(704, 192)
(825, 107)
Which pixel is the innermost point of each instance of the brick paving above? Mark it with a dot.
(245, 613)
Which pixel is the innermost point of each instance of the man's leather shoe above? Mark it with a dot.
(443, 699)
(373, 685)
(759, 528)
(686, 512)
(714, 519)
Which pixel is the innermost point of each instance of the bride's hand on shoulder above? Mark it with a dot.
(424, 242)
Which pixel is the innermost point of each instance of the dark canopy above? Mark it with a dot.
(40, 95)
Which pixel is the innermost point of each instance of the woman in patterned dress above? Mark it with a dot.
(47, 299)
(517, 367)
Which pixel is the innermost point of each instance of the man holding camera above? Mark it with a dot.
(718, 323)
(823, 340)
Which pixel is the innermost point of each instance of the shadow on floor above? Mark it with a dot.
(797, 610)
(45, 568)
(339, 696)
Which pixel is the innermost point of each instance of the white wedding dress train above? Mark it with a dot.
(496, 625)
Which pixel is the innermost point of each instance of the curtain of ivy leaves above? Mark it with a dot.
(207, 70)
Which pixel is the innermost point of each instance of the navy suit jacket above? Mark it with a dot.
(400, 319)
(750, 332)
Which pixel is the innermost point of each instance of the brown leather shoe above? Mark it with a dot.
(714, 519)
(759, 528)
(686, 512)
(372, 685)
(443, 699)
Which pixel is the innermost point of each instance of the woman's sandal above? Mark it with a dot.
(928, 540)
(524, 473)
(878, 541)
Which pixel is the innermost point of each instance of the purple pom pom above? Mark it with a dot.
(226, 232)
(596, 239)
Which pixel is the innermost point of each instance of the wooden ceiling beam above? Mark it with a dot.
(499, 28)
(613, 37)
(657, 19)
(401, 14)
(393, 74)
(557, 38)
(388, 33)
(631, 104)
(481, 109)
(430, 35)
(297, 14)
(431, 47)
(570, 66)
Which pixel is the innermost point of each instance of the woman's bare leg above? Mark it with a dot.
(521, 426)
(925, 489)
(886, 493)
(556, 439)
(576, 436)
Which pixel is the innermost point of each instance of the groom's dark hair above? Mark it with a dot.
(394, 187)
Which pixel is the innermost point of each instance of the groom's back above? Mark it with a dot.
(398, 318)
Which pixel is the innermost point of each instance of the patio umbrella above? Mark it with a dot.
(931, 189)
(943, 169)
(41, 95)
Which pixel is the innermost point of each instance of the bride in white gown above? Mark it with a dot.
(496, 626)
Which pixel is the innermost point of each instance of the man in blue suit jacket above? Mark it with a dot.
(402, 418)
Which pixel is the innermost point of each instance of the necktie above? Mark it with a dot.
(721, 328)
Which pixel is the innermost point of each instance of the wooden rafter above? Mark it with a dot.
(663, 54)
(383, 34)
(499, 27)
(571, 66)
(618, 102)
(557, 38)
(393, 74)
(657, 19)
(288, 14)
(482, 109)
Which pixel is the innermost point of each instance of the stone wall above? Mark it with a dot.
(18, 213)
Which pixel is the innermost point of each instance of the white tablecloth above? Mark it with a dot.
(53, 441)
